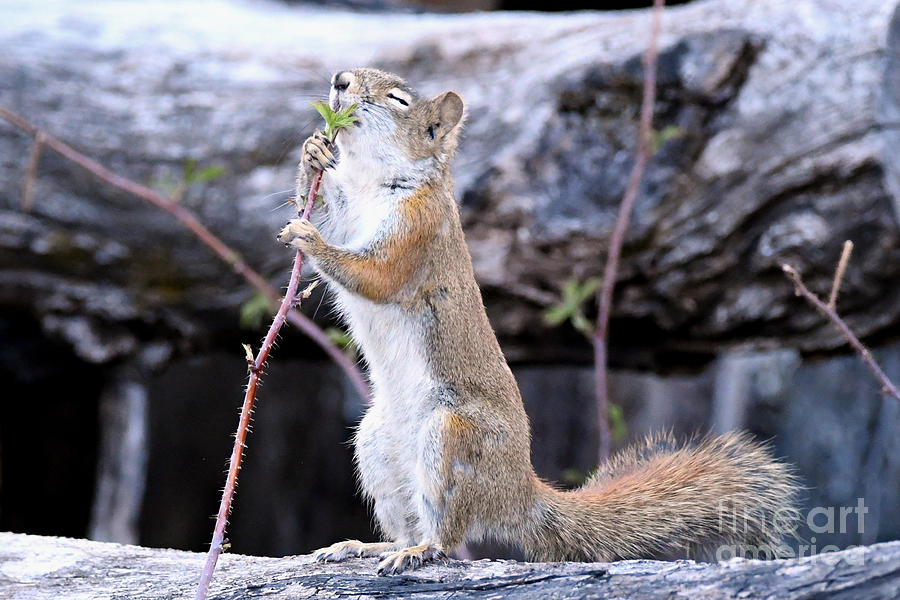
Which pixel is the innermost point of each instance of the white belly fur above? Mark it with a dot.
(393, 344)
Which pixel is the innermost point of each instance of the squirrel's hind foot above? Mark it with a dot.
(410, 558)
(354, 549)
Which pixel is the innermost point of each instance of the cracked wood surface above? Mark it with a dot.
(47, 568)
(783, 143)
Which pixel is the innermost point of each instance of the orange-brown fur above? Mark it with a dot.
(384, 272)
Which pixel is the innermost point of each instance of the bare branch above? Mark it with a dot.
(839, 274)
(31, 173)
(801, 290)
(604, 299)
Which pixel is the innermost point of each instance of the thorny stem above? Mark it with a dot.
(887, 386)
(604, 298)
(216, 546)
(193, 224)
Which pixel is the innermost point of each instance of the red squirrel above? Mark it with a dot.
(444, 449)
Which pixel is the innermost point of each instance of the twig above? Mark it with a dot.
(31, 173)
(839, 274)
(334, 122)
(193, 224)
(604, 299)
(800, 289)
(216, 546)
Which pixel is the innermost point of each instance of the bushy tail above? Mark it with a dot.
(706, 499)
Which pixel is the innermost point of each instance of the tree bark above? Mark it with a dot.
(122, 459)
(780, 117)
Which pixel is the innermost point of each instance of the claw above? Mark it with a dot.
(351, 549)
(410, 558)
(318, 152)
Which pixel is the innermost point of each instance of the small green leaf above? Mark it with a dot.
(255, 311)
(343, 340)
(572, 477)
(187, 172)
(339, 337)
(667, 133)
(557, 315)
(335, 121)
(191, 175)
(570, 290)
(574, 295)
(582, 324)
(208, 174)
(588, 288)
(617, 425)
(324, 110)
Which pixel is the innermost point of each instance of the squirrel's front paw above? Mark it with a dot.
(300, 234)
(318, 152)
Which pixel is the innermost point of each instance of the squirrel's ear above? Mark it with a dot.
(450, 109)
(449, 112)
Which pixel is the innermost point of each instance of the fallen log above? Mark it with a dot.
(38, 568)
(775, 124)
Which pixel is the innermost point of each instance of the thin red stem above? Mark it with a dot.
(216, 546)
(604, 299)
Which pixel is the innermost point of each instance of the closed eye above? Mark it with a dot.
(396, 97)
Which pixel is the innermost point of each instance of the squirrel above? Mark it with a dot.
(443, 451)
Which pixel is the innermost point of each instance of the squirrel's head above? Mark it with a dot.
(395, 123)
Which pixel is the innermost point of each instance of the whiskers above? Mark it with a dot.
(320, 74)
(322, 295)
(377, 117)
(286, 195)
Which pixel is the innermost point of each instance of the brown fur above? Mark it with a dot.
(471, 448)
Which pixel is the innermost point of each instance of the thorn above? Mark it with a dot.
(305, 293)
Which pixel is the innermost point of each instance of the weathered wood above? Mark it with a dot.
(121, 460)
(38, 568)
(783, 114)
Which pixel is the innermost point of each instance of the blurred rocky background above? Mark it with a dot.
(778, 128)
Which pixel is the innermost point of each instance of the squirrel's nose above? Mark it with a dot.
(341, 81)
